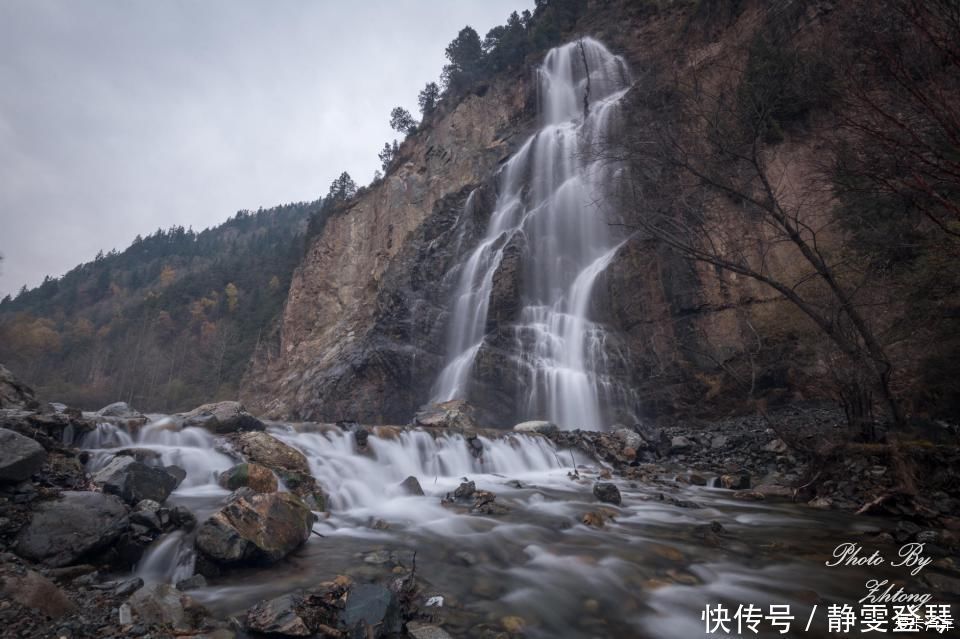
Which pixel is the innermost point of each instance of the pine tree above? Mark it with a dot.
(465, 54)
(428, 98)
(402, 122)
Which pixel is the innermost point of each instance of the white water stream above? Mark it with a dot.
(553, 200)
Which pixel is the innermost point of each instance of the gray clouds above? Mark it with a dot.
(117, 118)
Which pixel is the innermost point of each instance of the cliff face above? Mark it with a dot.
(364, 331)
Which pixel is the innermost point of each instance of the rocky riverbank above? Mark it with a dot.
(86, 504)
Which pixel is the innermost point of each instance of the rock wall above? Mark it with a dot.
(364, 330)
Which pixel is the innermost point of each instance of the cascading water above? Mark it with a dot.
(552, 200)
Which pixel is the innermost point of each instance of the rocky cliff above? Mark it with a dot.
(364, 330)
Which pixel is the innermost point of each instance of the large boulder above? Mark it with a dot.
(607, 493)
(14, 393)
(63, 531)
(456, 415)
(20, 456)
(542, 427)
(33, 590)
(133, 481)
(286, 461)
(257, 478)
(222, 418)
(259, 529)
(162, 604)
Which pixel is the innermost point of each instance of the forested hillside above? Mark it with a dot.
(168, 323)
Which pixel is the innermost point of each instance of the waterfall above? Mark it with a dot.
(551, 201)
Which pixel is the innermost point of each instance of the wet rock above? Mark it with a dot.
(127, 586)
(148, 518)
(14, 393)
(695, 479)
(456, 415)
(371, 611)
(680, 444)
(286, 461)
(258, 478)
(181, 517)
(20, 457)
(38, 593)
(475, 446)
(65, 530)
(775, 490)
(135, 482)
(629, 438)
(411, 486)
(278, 616)
(465, 491)
(734, 481)
(419, 630)
(484, 503)
(607, 493)
(222, 418)
(163, 604)
(542, 427)
(821, 503)
(115, 465)
(192, 583)
(119, 409)
(513, 624)
(259, 529)
(598, 518)
(777, 446)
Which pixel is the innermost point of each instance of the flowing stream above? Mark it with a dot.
(552, 200)
(647, 573)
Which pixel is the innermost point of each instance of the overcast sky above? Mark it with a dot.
(117, 118)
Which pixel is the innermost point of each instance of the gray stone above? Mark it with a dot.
(221, 418)
(372, 611)
(278, 616)
(135, 482)
(680, 443)
(542, 427)
(607, 493)
(629, 438)
(411, 486)
(119, 409)
(20, 457)
(192, 583)
(14, 393)
(419, 630)
(115, 465)
(777, 446)
(65, 530)
(163, 604)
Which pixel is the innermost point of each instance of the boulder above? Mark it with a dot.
(279, 616)
(65, 530)
(38, 593)
(465, 491)
(419, 630)
(20, 456)
(455, 414)
(542, 427)
(258, 478)
(162, 604)
(286, 461)
(411, 486)
(318, 611)
(135, 481)
(119, 409)
(371, 611)
(261, 529)
(680, 444)
(629, 438)
(14, 393)
(607, 493)
(222, 418)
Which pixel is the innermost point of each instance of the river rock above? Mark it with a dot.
(286, 461)
(629, 438)
(20, 456)
(222, 418)
(318, 612)
(419, 630)
(607, 493)
(542, 427)
(119, 409)
(735, 481)
(163, 604)
(680, 444)
(35, 591)
(254, 476)
(465, 491)
(256, 530)
(455, 414)
(371, 611)
(136, 481)
(63, 531)
(279, 616)
(411, 486)
(14, 393)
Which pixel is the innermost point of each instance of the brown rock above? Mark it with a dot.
(35, 591)
(253, 476)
